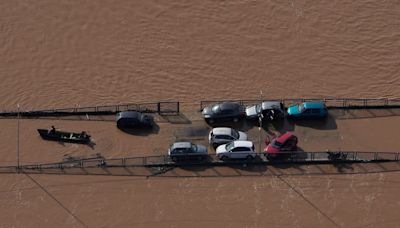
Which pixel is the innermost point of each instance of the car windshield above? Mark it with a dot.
(193, 148)
(301, 108)
(235, 134)
(276, 144)
(229, 146)
(258, 108)
(216, 109)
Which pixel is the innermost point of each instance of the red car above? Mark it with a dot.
(284, 143)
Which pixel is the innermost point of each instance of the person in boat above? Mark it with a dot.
(53, 130)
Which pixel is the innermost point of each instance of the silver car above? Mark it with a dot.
(271, 110)
(187, 151)
(223, 135)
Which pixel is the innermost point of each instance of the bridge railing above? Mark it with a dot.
(330, 102)
(164, 107)
(297, 156)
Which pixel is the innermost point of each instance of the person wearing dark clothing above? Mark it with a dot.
(53, 130)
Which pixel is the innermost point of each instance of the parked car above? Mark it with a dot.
(236, 150)
(187, 151)
(308, 110)
(281, 146)
(132, 119)
(224, 111)
(272, 110)
(224, 135)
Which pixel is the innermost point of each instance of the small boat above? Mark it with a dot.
(63, 136)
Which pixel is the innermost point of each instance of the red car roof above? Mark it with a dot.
(281, 139)
(284, 137)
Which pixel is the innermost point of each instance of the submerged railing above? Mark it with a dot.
(165, 107)
(173, 107)
(213, 160)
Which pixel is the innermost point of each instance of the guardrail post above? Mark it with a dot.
(178, 109)
(159, 107)
(376, 156)
(365, 102)
(144, 161)
(124, 162)
(355, 156)
(396, 157)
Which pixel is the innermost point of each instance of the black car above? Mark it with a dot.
(132, 119)
(224, 111)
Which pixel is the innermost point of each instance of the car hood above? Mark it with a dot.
(251, 111)
(293, 110)
(242, 136)
(270, 149)
(221, 149)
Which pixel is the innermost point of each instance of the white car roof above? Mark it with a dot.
(222, 131)
(270, 104)
(242, 143)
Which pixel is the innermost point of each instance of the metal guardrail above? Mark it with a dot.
(165, 107)
(347, 103)
(212, 159)
(173, 107)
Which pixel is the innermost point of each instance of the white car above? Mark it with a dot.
(236, 150)
(272, 110)
(224, 135)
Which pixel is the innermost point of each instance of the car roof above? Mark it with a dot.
(282, 138)
(222, 131)
(242, 143)
(318, 104)
(180, 145)
(129, 114)
(270, 104)
(228, 105)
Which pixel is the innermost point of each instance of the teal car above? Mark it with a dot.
(308, 110)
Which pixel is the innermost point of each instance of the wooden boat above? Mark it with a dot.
(63, 136)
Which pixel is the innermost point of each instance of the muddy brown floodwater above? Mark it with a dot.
(57, 54)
